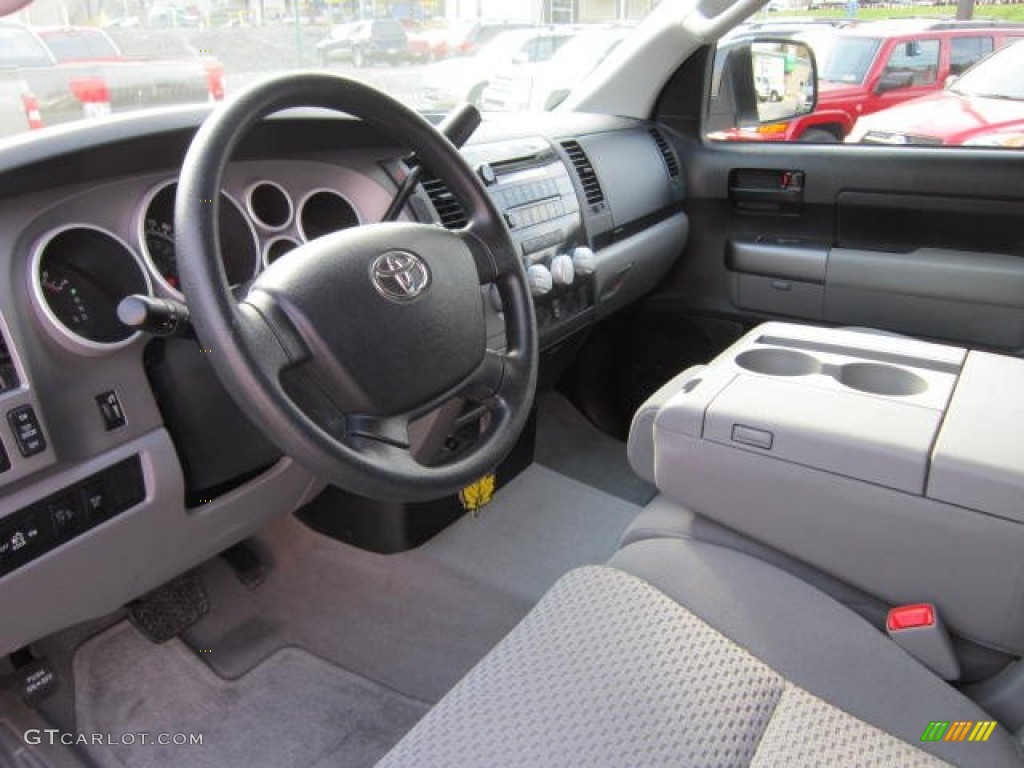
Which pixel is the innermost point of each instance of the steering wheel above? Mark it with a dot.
(344, 341)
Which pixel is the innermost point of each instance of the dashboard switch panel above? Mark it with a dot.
(38, 528)
(27, 432)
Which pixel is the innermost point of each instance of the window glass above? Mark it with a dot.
(66, 46)
(17, 50)
(917, 59)
(848, 60)
(965, 52)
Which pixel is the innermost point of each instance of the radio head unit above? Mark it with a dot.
(532, 188)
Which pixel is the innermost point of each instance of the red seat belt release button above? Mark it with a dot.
(918, 630)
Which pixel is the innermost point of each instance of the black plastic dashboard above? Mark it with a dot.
(594, 203)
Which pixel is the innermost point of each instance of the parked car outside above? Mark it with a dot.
(365, 42)
(982, 108)
(542, 85)
(875, 66)
(468, 39)
(447, 83)
(55, 75)
(428, 40)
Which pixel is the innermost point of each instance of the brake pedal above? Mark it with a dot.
(169, 610)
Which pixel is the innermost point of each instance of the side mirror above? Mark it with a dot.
(762, 80)
(892, 81)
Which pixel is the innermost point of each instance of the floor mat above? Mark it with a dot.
(292, 710)
(568, 443)
(417, 621)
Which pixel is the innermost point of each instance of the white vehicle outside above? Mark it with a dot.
(449, 82)
(543, 85)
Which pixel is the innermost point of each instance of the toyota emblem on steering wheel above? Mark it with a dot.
(400, 275)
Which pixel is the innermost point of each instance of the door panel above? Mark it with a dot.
(955, 217)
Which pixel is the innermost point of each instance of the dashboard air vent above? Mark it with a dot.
(671, 162)
(585, 171)
(449, 210)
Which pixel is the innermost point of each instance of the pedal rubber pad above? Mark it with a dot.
(169, 610)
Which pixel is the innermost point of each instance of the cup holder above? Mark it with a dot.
(773, 361)
(878, 379)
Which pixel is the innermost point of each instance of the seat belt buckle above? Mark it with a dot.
(919, 631)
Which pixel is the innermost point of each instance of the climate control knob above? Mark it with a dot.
(562, 271)
(540, 280)
(584, 261)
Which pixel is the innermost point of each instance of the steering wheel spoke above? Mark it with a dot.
(485, 382)
(392, 431)
(492, 262)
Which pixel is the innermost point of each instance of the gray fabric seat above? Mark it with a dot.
(683, 653)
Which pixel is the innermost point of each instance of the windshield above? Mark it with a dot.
(89, 60)
(848, 59)
(1000, 76)
(503, 47)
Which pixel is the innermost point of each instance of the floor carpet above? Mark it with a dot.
(292, 710)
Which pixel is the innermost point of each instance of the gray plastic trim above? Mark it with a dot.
(978, 459)
(792, 259)
(139, 549)
(628, 269)
(976, 278)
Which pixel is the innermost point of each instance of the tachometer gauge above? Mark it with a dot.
(239, 247)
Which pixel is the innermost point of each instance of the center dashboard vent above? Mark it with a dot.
(667, 153)
(585, 172)
(449, 210)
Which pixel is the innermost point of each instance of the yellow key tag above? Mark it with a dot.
(478, 495)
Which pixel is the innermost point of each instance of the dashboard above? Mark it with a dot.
(123, 460)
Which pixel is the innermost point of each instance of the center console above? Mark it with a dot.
(887, 462)
(532, 188)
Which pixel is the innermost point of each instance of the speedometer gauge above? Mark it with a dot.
(238, 244)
